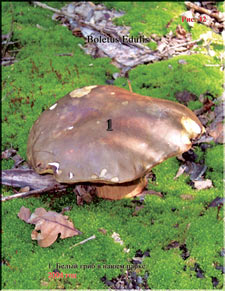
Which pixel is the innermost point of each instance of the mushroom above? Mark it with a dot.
(109, 138)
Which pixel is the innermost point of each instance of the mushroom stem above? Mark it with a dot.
(120, 191)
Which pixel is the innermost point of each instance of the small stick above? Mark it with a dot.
(42, 5)
(181, 44)
(204, 10)
(32, 192)
(129, 84)
(83, 241)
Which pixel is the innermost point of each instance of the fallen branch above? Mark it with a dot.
(83, 241)
(27, 177)
(44, 6)
(32, 192)
(218, 16)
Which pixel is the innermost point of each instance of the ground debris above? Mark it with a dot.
(185, 96)
(117, 238)
(12, 154)
(48, 225)
(84, 193)
(129, 280)
(217, 202)
(212, 120)
(195, 170)
(104, 39)
(203, 184)
(199, 271)
(207, 14)
(8, 153)
(216, 127)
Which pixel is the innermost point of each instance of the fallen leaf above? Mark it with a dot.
(36, 215)
(185, 96)
(196, 171)
(217, 132)
(48, 225)
(180, 31)
(8, 153)
(84, 193)
(217, 201)
(203, 184)
(24, 214)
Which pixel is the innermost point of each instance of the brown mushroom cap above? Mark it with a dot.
(71, 140)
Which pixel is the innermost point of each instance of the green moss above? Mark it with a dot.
(36, 81)
(214, 158)
(164, 79)
(214, 43)
(220, 6)
(152, 45)
(156, 17)
(215, 161)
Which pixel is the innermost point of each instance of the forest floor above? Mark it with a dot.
(174, 242)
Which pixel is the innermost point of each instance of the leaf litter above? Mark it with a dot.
(48, 225)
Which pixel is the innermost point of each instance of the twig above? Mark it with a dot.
(42, 5)
(32, 192)
(204, 10)
(129, 84)
(10, 33)
(181, 44)
(10, 42)
(8, 63)
(83, 241)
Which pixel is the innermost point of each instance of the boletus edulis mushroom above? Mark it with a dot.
(109, 138)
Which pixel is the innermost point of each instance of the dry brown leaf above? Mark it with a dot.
(36, 215)
(24, 214)
(217, 133)
(48, 225)
(180, 31)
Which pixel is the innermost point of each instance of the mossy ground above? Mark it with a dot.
(36, 81)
